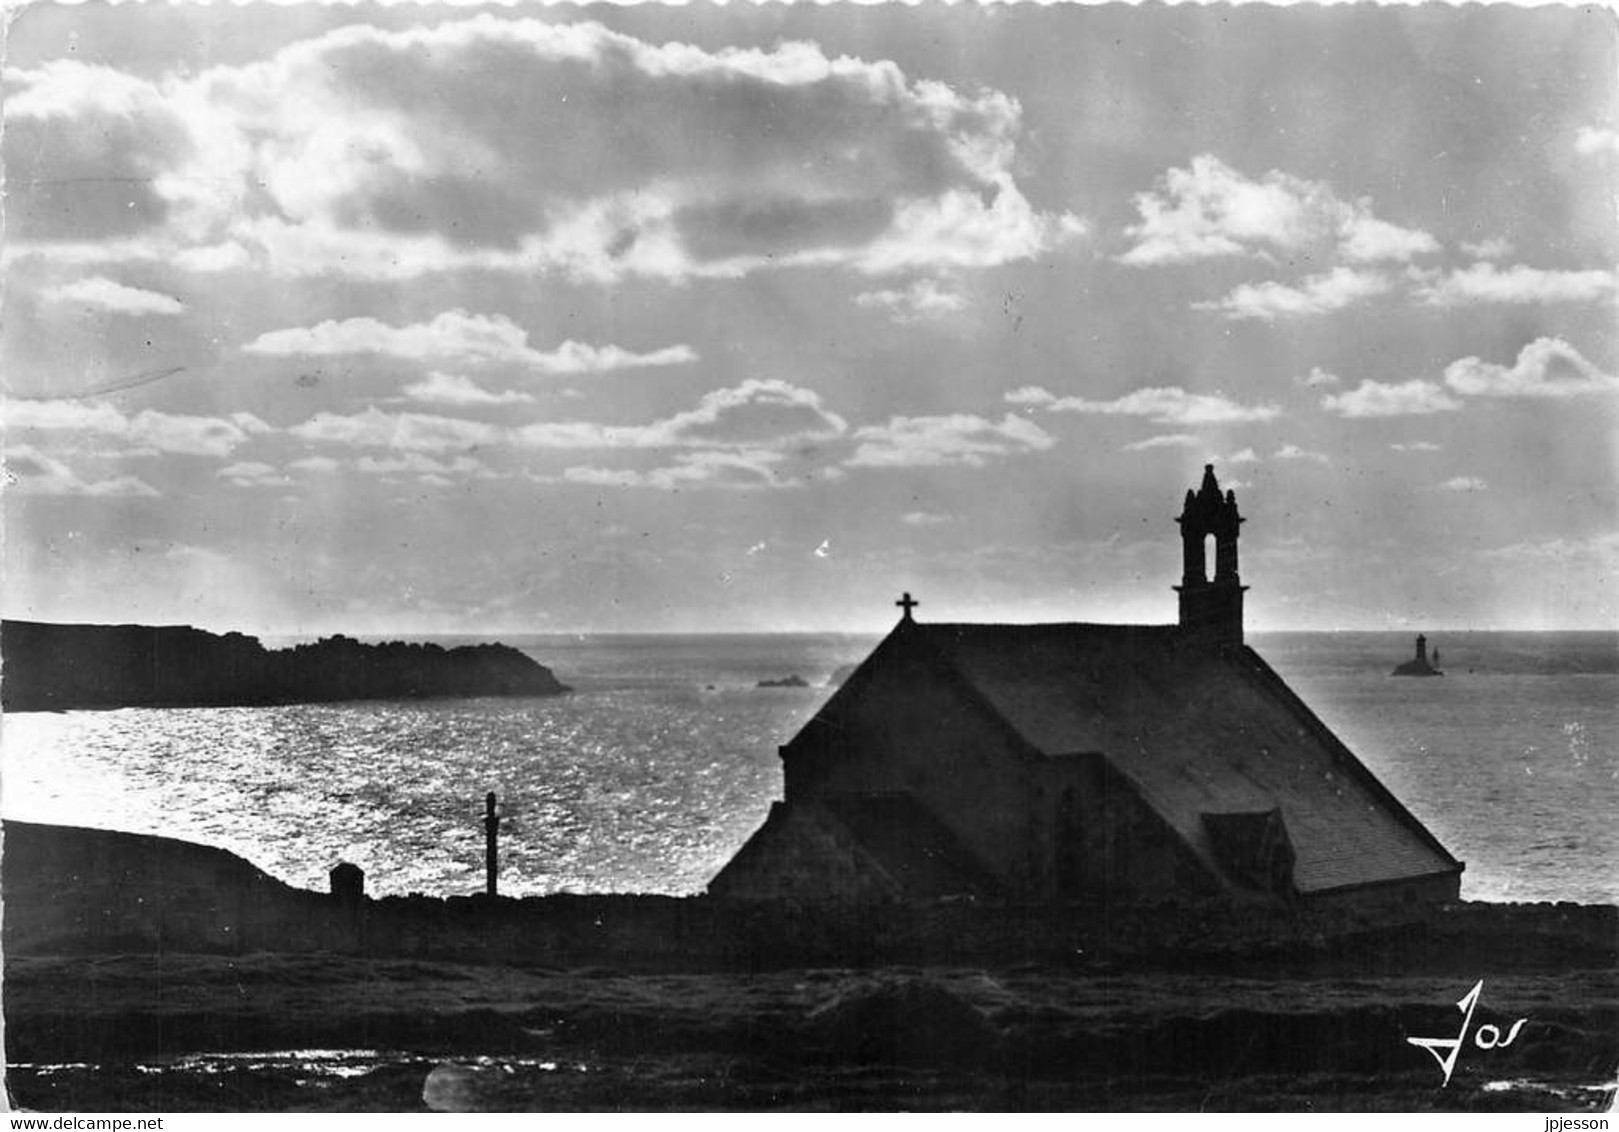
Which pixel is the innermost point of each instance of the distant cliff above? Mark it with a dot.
(52, 667)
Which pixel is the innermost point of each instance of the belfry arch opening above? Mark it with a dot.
(1211, 587)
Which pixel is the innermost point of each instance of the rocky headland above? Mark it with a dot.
(51, 667)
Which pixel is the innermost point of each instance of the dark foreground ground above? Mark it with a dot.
(146, 974)
(326, 1032)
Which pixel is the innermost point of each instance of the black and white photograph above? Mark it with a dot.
(810, 558)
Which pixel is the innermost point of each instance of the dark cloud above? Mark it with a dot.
(88, 178)
(741, 227)
(570, 110)
(534, 145)
(462, 209)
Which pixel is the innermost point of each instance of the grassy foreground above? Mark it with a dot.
(147, 974)
(327, 1033)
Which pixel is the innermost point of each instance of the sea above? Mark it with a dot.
(663, 760)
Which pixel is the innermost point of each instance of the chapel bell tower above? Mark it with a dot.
(1211, 608)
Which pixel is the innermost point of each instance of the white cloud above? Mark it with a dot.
(65, 88)
(1317, 377)
(249, 424)
(732, 425)
(757, 413)
(1209, 209)
(1417, 446)
(1600, 551)
(1494, 247)
(100, 293)
(915, 442)
(1366, 239)
(420, 465)
(738, 469)
(454, 389)
(193, 435)
(925, 519)
(409, 432)
(579, 357)
(1169, 440)
(252, 473)
(208, 258)
(1172, 406)
(1485, 283)
(314, 160)
(1382, 399)
(1030, 395)
(1315, 294)
(924, 299)
(319, 465)
(456, 334)
(147, 429)
(1546, 368)
(1463, 483)
(605, 477)
(1592, 140)
(1246, 456)
(28, 471)
(1294, 452)
(960, 229)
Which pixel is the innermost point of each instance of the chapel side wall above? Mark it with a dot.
(1120, 847)
(908, 730)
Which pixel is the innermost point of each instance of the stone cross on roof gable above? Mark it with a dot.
(907, 603)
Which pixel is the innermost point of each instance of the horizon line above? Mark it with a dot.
(512, 631)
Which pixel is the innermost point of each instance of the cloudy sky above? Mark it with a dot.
(415, 319)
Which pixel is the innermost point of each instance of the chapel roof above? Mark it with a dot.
(1197, 730)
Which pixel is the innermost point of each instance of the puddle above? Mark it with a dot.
(309, 1064)
(1556, 1089)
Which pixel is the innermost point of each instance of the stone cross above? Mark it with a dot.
(491, 827)
(907, 603)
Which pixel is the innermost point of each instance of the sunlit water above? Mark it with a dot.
(652, 773)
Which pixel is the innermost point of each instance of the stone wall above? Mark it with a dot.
(73, 891)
